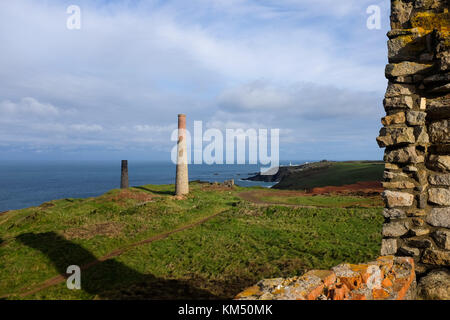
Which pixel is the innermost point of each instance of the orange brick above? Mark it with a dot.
(329, 279)
(327, 276)
(386, 263)
(338, 292)
(397, 276)
(352, 283)
(358, 296)
(249, 292)
(401, 286)
(315, 293)
(379, 294)
(363, 270)
(386, 283)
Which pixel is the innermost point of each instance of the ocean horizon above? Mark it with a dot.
(30, 183)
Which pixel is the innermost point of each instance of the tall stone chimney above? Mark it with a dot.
(416, 134)
(182, 178)
(124, 175)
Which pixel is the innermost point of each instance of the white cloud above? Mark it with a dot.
(86, 127)
(27, 106)
(154, 129)
(123, 78)
(256, 96)
(304, 100)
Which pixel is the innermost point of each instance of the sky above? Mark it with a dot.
(113, 88)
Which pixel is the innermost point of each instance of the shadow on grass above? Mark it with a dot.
(170, 193)
(110, 279)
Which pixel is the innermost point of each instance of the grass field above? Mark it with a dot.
(336, 174)
(326, 201)
(244, 243)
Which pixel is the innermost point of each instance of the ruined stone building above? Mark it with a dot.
(416, 134)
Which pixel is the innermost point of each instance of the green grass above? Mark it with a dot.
(217, 259)
(337, 174)
(329, 201)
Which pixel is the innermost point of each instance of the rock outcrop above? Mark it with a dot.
(416, 135)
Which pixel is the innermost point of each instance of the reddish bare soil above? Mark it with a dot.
(123, 195)
(365, 187)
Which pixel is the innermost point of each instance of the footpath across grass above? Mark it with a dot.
(216, 259)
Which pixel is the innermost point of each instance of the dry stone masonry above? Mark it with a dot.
(416, 134)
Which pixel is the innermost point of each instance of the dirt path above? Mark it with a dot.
(58, 279)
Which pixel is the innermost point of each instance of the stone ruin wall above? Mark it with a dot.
(387, 278)
(416, 134)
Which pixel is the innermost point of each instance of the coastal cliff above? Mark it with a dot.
(324, 173)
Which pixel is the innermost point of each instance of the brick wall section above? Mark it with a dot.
(416, 134)
(387, 278)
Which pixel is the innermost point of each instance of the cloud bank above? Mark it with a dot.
(114, 88)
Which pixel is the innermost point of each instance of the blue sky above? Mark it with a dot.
(113, 89)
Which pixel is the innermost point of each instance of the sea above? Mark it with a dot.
(25, 184)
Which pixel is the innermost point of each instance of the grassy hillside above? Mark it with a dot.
(334, 174)
(240, 244)
(325, 201)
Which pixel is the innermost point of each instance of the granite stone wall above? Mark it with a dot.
(416, 134)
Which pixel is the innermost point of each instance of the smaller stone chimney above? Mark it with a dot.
(182, 178)
(124, 175)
